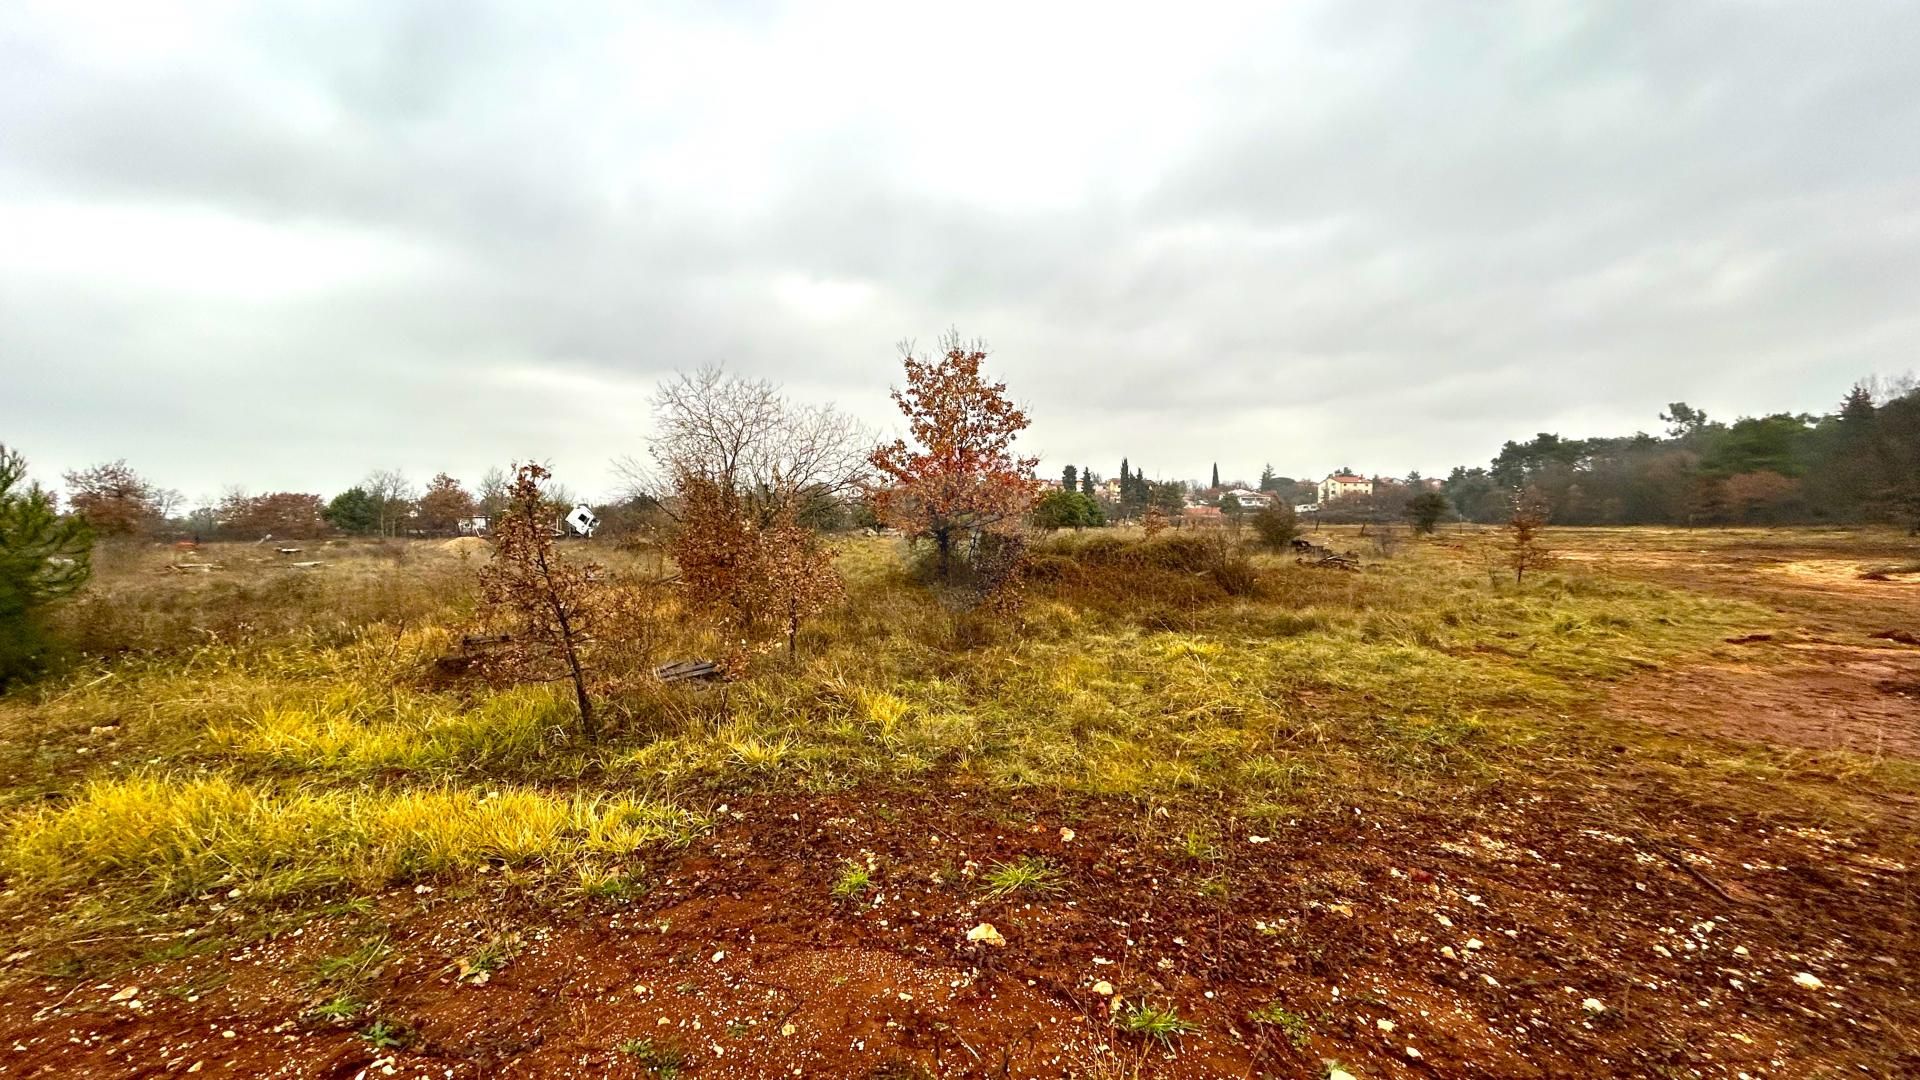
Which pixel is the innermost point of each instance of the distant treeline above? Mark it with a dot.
(1860, 463)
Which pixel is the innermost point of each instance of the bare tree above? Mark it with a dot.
(393, 495)
(494, 486)
(167, 503)
(746, 437)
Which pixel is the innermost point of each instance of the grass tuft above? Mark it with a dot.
(1161, 1024)
(1031, 875)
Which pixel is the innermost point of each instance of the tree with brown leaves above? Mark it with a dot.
(547, 605)
(286, 515)
(112, 499)
(961, 479)
(444, 506)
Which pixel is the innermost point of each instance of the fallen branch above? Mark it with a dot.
(683, 670)
(1696, 873)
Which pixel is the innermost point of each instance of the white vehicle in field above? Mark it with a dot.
(581, 522)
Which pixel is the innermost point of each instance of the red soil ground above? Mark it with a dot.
(1400, 940)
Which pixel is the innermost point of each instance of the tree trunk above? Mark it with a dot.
(589, 725)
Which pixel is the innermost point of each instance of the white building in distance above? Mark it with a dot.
(1343, 486)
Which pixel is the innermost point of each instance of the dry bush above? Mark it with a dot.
(1526, 547)
(757, 580)
(1145, 576)
(1153, 522)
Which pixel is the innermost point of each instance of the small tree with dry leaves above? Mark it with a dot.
(1526, 547)
(961, 478)
(1154, 521)
(758, 581)
(797, 580)
(554, 612)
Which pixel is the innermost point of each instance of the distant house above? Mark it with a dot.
(1110, 488)
(1250, 499)
(473, 526)
(1344, 486)
(1196, 516)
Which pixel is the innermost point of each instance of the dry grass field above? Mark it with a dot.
(1651, 812)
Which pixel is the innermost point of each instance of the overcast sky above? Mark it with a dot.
(279, 245)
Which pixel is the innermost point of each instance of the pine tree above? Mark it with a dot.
(1069, 479)
(1086, 482)
(1267, 478)
(1858, 404)
(43, 557)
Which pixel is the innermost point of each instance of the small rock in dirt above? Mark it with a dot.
(788, 1029)
(1594, 1006)
(1413, 1053)
(985, 933)
(125, 995)
(1809, 980)
(1103, 988)
(1066, 835)
(719, 956)
(1384, 1025)
(1335, 1072)
(1476, 944)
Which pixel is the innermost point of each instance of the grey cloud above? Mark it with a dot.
(1391, 236)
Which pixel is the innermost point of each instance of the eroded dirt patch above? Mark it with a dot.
(1818, 696)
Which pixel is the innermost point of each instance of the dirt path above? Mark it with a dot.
(1536, 937)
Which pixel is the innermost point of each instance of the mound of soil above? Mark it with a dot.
(467, 545)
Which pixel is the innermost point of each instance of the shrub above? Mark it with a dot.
(42, 557)
(1275, 527)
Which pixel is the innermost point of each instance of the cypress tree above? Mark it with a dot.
(1216, 476)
